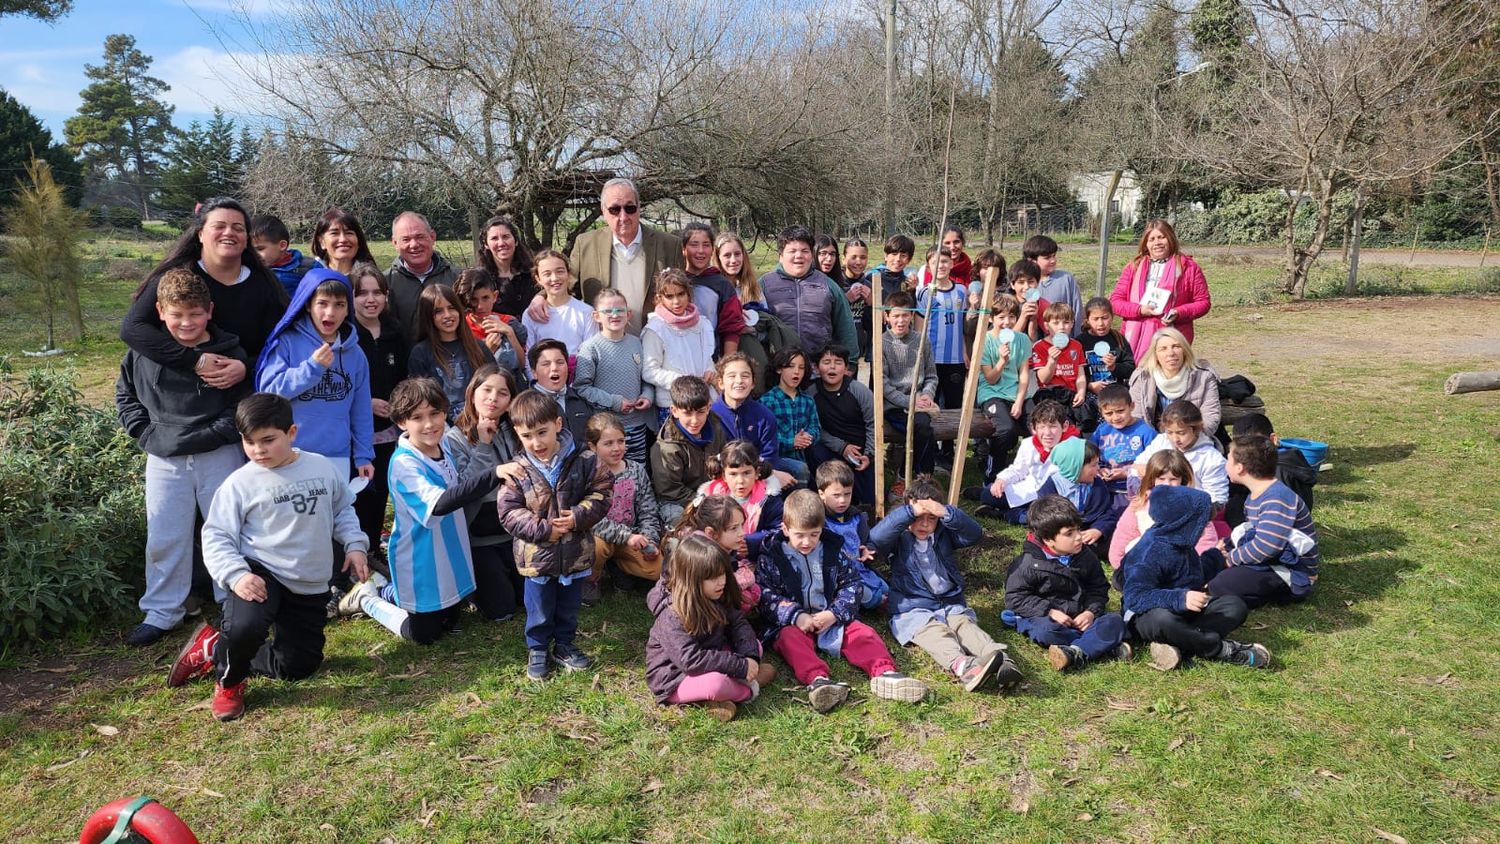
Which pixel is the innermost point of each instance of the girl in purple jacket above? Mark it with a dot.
(701, 649)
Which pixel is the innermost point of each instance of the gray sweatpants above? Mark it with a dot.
(950, 642)
(177, 489)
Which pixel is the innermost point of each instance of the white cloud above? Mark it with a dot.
(202, 78)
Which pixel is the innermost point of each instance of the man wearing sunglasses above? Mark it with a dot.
(624, 254)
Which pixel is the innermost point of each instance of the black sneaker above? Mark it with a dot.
(571, 658)
(145, 634)
(1123, 652)
(825, 695)
(972, 493)
(985, 511)
(536, 664)
(1253, 655)
(1007, 675)
(1063, 657)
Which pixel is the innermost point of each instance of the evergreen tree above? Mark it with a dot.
(43, 10)
(23, 136)
(44, 247)
(205, 160)
(123, 127)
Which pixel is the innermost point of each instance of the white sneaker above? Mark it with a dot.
(349, 604)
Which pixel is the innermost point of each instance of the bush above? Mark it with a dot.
(125, 217)
(72, 508)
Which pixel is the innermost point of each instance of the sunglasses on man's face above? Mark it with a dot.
(614, 210)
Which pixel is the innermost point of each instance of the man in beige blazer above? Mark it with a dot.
(624, 254)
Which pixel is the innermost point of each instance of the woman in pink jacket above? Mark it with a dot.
(1160, 287)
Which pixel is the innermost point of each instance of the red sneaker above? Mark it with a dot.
(228, 703)
(196, 659)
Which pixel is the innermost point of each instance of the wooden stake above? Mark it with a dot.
(916, 382)
(1486, 249)
(971, 386)
(877, 382)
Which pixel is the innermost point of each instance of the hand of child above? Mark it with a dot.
(1053, 352)
(250, 587)
(1017, 408)
(712, 377)
(1196, 600)
(1004, 354)
(565, 520)
(866, 554)
(851, 453)
(359, 562)
(1109, 360)
(1060, 617)
(537, 310)
(802, 440)
(1083, 620)
(925, 402)
(785, 477)
(365, 470)
(493, 324)
(1078, 398)
(557, 534)
(220, 372)
(997, 488)
(804, 622)
(752, 669)
(638, 542)
(1028, 310)
(381, 408)
(510, 472)
(486, 430)
(824, 620)
(492, 341)
(642, 403)
(323, 355)
(627, 405)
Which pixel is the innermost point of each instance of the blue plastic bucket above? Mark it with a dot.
(1313, 451)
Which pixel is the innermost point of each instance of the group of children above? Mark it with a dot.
(650, 458)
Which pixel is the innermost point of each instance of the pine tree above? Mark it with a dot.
(44, 232)
(122, 127)
(205, 160)
(23, 136)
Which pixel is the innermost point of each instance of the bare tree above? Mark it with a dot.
(1337, 94)
(528, 107)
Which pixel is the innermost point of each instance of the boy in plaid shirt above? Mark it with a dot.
(797, 426)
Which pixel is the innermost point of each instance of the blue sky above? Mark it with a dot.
(42, 65)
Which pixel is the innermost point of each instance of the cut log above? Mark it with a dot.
(945, 425)
(1471, 382)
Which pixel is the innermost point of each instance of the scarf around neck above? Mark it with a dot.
(688, 319)
(1174, 387)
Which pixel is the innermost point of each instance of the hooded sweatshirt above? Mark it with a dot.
(673, 654)
(1164, 565)
(1094, 500)
(171, 411)
(331, 405)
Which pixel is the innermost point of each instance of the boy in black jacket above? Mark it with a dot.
(1292, 468)
(1058, 591)
(187, 430)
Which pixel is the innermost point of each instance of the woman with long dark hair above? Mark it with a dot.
(248, 300)
(339, 241)
(506, 257)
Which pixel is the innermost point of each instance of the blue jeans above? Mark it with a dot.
(551, 612)
(1014, 515)
(1102, 637)
(792, 466)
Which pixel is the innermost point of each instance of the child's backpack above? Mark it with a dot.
(764, 340)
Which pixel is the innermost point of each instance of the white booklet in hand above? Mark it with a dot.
(1022, 492)
(1156, 298)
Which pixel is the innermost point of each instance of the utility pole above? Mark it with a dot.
(889, 205)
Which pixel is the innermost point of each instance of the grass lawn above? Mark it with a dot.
(1378, 717)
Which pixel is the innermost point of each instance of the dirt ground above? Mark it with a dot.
(1404, 257)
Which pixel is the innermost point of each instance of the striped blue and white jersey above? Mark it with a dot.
(945, 330)
(431, 565)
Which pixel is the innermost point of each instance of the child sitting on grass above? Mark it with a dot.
(1058, 592)
(927, 604)
(1166, 602)
(1274, 554)
(562, 493)
(1120, 437)
(679, 457)
(1182, 429)
(1164, 468)
(630, 531)
(721, 519)
(1075, 477)
(738, 472)
(285, 507)
(1049, 426)
(701, 649)
(835, 484)
(808, 602)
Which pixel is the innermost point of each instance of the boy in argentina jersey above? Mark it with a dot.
(268, 542)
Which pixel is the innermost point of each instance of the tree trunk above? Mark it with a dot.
(1356, 230)
(1491, 178)
(1471, 382)
(1109, 196)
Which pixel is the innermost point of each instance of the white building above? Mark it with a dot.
(1124, 209)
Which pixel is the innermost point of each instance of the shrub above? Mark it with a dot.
(72, 508)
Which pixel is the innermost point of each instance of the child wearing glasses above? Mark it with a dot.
(607, 372)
